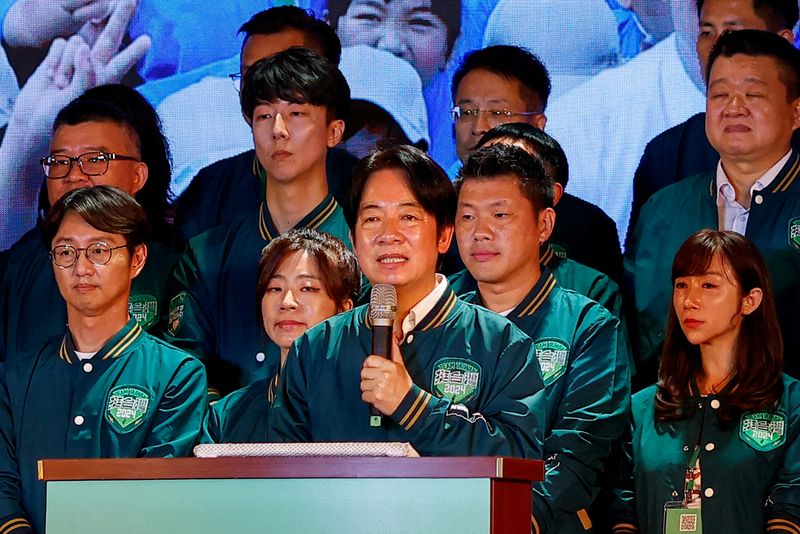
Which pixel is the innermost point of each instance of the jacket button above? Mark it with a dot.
(87, 367)
(709, 492)
(685, 448)
(715, 404)
(410, 338)
(78, 420)
(710, 447)
(260, 357)
(674, 494)
(759, 199)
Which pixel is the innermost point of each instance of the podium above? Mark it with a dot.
(290, 495)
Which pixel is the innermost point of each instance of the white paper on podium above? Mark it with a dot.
(219, 450)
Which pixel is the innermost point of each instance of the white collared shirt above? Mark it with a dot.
(730, 214)
(424, 307)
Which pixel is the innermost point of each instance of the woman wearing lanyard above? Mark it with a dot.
(714, 443)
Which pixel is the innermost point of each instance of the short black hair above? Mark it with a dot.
(123, 105)
(103, 207)
(296, 75)
(537, 141)
(449, 11)
(778, 15)
(512, 62)
(759, 43)
(282, 18)
(503, 160)
(428, 183)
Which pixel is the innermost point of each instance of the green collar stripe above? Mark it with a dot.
(540, 297)
(262, 225)
(63, 353)
(323, 216)
(449, 303)
(126, 341)
(791, 174)
(547, 256)
(313, 220)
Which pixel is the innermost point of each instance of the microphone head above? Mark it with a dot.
(383, 304)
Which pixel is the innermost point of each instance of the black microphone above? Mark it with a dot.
(382, 312)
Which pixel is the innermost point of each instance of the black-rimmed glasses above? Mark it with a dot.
(57, 166)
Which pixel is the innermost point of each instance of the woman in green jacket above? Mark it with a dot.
(715, 443)
(304, 277)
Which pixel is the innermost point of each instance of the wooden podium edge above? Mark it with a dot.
(296, 467)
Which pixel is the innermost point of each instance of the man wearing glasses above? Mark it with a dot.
(108, 136)
(104, 388)
(503, 84)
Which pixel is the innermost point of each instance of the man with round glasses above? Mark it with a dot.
(107, 136)
(102, 387)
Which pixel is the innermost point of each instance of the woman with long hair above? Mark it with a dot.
(715, 441)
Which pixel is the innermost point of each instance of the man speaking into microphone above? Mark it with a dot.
(459, 380)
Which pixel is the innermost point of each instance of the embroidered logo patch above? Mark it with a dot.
(127, 407)
(559, 251)
(143, 308)
(177, 307)
(456, 379)
(552, 354)
(794, 233)
(763, 431)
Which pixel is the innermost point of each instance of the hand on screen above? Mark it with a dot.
(64, 74)
(385, 382)
(35, 23)
(105, 38)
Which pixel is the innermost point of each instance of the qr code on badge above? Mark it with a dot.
(688, 523)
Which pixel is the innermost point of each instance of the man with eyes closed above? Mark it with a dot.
(752, 108)
(294, 101)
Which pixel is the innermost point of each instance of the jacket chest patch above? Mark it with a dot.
(456, 379)
(143, 308)
(127, 407)
(553, 355)
(794, 233)
(763, 431)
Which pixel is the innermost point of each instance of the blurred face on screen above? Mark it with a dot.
(92, 137)
(717, 16)
(260, 46)
(492, 95)
(406, 28)
(749, 115)
(655, 15)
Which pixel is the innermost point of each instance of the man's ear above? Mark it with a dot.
(796, 113)
(347, 305)
(540, 121)
(444, 239)
(547, 221)
(558, 192)
(138, 259)
(141, 174)
(788, 35)
(335, 132)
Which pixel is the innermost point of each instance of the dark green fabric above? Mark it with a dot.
(214, 310)
(588, 400)
(675, 213)
(319, 398)
(41, 394)
(749, 487)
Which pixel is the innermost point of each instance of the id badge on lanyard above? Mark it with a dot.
(678, 517)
